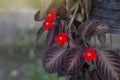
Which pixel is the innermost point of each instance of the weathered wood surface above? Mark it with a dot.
(107, 11)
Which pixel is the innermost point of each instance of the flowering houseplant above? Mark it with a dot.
(70, 50)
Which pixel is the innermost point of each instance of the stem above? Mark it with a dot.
(71, 21)
(67, 5)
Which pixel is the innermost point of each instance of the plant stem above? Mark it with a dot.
(73, 17)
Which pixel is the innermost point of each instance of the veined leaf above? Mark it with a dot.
(86, 29)
(92, 27)
(53, 59)
(108, 65)
(73, 60)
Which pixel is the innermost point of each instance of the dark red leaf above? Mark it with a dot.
(108, 65)
(73, 60)
(53, 59)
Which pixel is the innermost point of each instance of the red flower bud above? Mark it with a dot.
(89, 54)
(47, 25)
(61, 38)
(50, 16)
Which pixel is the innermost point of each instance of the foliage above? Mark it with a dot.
(72, 19)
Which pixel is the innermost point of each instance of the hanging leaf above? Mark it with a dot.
(53, 59)
(39, 33)
(51, 35)
(62, 12)
(94, 75)
(86, 29)
(102, 38)
(37, 18)
(108, 65)
(92, 27)
(73, 60)
(101, 28)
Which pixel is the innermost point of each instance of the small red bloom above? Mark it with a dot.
(46, 24)
(50, 16)
(89, 54)
(61, 38)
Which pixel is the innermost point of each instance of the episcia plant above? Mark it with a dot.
(71, 39)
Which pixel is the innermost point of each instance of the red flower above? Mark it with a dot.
(89, 54)
(47, 24)
(50, 16)
(61, 38)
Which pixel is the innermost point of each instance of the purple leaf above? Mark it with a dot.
(51, 35)
(53, 59)
(86, 29)
(108, 65)
(73, 60)
(92, 27)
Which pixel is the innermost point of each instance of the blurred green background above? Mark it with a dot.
(18, 60)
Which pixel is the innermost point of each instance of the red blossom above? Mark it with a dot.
(61, 38)
(89, 54)
(47, 24)
(50, 16)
